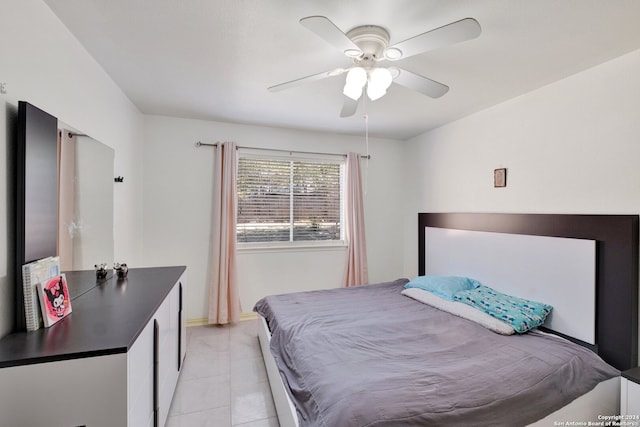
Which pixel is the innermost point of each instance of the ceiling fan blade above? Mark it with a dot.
(459, 31)
(328, 31)
(421, 84)
(349, 107)
(307, 79)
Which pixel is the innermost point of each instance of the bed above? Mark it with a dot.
(341, 349)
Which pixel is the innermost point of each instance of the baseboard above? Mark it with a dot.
(197, 322)
(202, 321)
(252, 315)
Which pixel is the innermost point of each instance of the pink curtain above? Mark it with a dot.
(357, 271)
(224, 300)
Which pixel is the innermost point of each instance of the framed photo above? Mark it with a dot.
(500, 177)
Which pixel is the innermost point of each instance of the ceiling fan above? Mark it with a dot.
(368, 45)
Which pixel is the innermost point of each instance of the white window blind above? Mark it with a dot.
(289, 200)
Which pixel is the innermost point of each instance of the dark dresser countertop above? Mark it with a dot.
(632, 374)
(106, 318)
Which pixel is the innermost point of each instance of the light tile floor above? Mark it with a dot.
(223, 381)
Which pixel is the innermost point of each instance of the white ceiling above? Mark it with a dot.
(214, 59)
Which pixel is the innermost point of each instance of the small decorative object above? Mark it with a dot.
(500, 177)
(101, 271)
(121, 270)
(119, 179)
(54, 299)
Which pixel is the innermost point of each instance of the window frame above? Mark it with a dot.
(293, 156)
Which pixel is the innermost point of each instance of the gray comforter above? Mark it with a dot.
(369, 356)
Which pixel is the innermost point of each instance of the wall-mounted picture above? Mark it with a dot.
(500, 177)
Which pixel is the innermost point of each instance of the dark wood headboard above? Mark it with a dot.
(616, 265)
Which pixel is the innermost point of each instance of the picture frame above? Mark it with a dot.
(500, 177)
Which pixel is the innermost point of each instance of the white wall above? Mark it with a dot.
(570, 147)
(42, 63)
(177, 204)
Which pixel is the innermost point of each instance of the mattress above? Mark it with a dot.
(369, 356)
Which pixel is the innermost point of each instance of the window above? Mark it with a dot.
(289, 200)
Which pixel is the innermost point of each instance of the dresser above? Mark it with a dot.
(630, 395)
(114, 361)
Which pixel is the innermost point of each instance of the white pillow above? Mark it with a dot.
(459, 309)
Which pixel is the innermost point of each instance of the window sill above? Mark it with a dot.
(291, 247)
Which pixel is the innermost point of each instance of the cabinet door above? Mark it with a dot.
(168, 350)
(140, 379)
(88, 391)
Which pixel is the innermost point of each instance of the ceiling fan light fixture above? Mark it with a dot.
(379, 81)
(381, 77)
(352, 91)
(356, 79)
(353, 53)
(375, 93)
(392, 53)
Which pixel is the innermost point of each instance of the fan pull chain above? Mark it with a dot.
(366, 144)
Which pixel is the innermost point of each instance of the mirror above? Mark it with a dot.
(85, 196)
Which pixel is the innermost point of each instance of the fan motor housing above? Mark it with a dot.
(371, 39)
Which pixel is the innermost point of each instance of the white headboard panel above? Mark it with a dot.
(554, 270)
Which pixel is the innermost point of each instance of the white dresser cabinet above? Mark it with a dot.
(630, 395)
(114, 361)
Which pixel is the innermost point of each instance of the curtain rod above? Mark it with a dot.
(362, 156)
